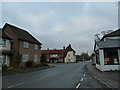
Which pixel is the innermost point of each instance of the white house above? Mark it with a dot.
(107, 52)
(5, 48)
(69, 55)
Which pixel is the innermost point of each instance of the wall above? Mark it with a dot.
(14, 45)
(70, 57)
(31, 51)
(7, 46)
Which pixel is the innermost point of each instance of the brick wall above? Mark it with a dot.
(30, 51)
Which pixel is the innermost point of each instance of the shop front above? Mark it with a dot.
(108, 59)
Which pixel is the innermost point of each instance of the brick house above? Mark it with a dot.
(5, 48)
(60, 55)
(25, 46)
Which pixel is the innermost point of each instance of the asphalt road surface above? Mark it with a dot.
(70, 75)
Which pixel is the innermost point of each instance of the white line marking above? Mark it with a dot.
(84, 74)
(3, 77)
(81, 79)
(78, 85)
(15, 85)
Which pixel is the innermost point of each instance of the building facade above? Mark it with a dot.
(25, 46)
(107, 52)
(5, 48)
(64, 55)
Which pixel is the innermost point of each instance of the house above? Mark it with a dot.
(107, 52)
(69, 54)
(54, 56)
(24, 45)
(5, 48)
(60, 55)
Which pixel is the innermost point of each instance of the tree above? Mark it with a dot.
(43, 58)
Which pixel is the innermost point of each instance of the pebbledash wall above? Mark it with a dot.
(70, 57)
(102, 65)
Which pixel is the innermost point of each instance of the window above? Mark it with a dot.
(97, 57)
(26, 44)
(111, 57)
(36, 58)
(4, 59)
(36, 46)
(54, 55)
(25, 57)
(0, 41)
(4, 42)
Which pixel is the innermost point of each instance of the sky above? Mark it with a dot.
(58, 24)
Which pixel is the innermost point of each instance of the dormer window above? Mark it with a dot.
(26, 44)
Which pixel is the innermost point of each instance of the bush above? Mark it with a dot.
(29, 63)
(7, 68)
(4, 67)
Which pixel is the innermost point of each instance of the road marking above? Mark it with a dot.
(15, 85)
(84, 74)
(81, 79)
(3, 77)
(78, 85)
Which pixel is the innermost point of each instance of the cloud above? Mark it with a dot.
(58, 24)
(58, 28)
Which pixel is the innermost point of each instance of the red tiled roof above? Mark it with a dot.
(52, 51)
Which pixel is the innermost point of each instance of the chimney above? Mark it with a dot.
(64, 47)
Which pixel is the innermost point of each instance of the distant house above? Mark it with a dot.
(5, 48)
(25, 46)
(54, 56)
(60, 55)
(107, 52)
(69, 54)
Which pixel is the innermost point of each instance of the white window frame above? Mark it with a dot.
(3, 42)
(35, 57)
(26, 44)
(36, 47)
(0, 41)
(25, 57)
(4, 62)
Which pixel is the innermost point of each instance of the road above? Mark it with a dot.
(70, 75)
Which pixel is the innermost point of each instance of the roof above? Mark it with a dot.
(3, 34)
(108, 44)
(114, 33)
(22, 34)
(69, 48)
(52, 51)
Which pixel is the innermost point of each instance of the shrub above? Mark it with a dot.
(29, 63)
(4, 67)
(7, 68)
(10, 68)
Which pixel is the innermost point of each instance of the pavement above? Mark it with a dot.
(109, 78)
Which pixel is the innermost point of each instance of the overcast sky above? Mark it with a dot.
(56, 24)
